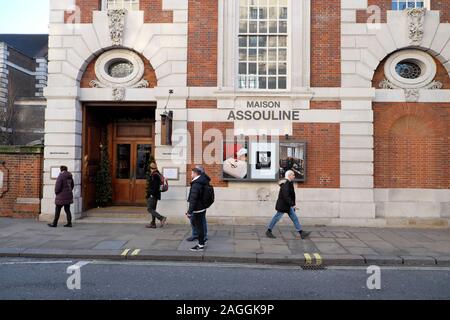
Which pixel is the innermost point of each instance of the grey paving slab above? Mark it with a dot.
(332, 248)
(351, 243)
(110, 245)
(165, 244)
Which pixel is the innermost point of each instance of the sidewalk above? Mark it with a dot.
(328, 246)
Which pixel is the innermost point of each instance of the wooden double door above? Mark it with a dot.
(132, 149)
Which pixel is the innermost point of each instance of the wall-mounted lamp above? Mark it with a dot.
(167, 123)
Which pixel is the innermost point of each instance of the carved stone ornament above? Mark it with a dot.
(119, 94)
(3, 179)
(411, 95)
(416, 21)
(116, 25)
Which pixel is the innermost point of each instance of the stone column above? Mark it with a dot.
(357, 194)
(63, 115)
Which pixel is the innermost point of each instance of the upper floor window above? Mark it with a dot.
(406, 4)
(263, 44)
(121, 4)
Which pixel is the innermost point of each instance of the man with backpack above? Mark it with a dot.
(154, 194)
(201, 197)
(194, 235)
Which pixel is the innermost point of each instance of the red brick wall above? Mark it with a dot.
(444, 7)
(439, 5)
(362, 16)
(326, 43)
(202, 43)
(89, 74)
(201, 104)
(441, 75)
(323, 153)
(86, 9)
(24, 181)
(412, 145)
(331, 105)
(153, 12)
(213, 170)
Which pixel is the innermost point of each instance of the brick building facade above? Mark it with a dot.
(364, 83)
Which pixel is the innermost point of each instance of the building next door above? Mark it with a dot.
(132, 147)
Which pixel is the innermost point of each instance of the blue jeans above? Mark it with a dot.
(194, 230)
(293, 217)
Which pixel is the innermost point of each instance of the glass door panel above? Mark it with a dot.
(123, 168)
(143, 152)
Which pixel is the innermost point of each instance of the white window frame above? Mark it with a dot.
(426, 3)
(129, 6)
(288, 58)
(299, 38)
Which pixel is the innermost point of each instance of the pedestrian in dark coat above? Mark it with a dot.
(197, 209)
(64, 196)
(286, 204)
(154, 196)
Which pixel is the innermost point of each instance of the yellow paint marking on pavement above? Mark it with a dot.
(125, 252)
(136, 252)
(308, 258)
(318, 259)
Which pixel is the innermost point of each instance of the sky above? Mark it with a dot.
(24, 16)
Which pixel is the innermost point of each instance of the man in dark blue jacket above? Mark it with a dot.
(197, 209)
(194, 235)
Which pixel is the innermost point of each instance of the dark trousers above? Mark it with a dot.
(151, 208)
(199, 223)
(58, 213)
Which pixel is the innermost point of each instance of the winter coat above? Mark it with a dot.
(63, 189)
(196, 193)
(286, 196)
(155, 185)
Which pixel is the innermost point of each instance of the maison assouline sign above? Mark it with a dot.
(275, 116)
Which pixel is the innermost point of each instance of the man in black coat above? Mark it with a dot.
(197, 209)
(154, 196)
(286, 204)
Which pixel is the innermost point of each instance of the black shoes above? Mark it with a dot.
(198, 248)
(151, 226)
(69, 225)
(51, 225)
(163, 222)
(304, 234)
(269, 234)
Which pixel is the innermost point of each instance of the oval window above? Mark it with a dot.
(408, 69)
(120, 69)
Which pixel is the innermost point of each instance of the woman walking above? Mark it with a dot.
(64, 196)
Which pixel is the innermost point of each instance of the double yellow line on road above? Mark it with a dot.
(308, 259)
(134, 253)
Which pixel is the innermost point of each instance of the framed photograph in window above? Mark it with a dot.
(263, 161)
(293, 157)
(235, 161)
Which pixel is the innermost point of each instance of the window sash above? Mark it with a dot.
(121, 4)
(263, 48)
(398, 5)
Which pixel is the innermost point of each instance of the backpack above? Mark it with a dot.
(164, 186)
(208, 196)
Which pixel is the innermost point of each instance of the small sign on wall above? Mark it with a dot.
(171, 173)
(54, 172)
